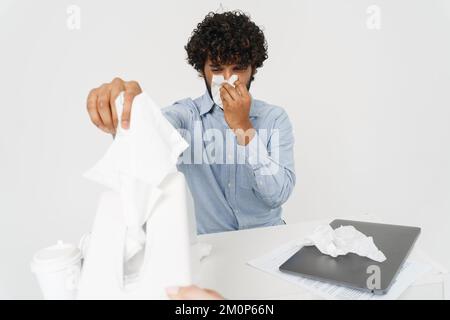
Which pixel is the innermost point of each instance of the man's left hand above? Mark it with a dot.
(236, 106)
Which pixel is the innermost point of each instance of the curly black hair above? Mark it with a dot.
(227, 38)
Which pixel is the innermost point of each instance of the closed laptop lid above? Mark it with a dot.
(351, 270)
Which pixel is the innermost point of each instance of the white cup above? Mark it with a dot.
(58, 269)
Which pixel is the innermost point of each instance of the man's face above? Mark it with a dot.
(244, 73)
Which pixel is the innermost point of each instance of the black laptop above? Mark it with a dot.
(352, 270)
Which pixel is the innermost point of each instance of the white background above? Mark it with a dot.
(370, 109)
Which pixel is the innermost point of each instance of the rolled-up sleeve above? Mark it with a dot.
(269, 157)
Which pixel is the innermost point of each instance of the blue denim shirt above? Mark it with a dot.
(233, 186)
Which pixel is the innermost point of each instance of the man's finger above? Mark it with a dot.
(104, 109)
(116, 89)
(241, 88)
(224, 95)
(192, 293)
(127, 102)
(231, 91)
(91, 106)
(226, 98)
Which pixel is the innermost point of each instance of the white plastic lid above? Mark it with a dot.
(55, 258)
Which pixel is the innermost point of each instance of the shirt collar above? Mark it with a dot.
(206, 104)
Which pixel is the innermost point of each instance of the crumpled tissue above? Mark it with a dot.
(343, 240)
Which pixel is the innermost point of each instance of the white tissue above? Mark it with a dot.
(136, 163)
(169, 257)
(342, 241)
(216, 83)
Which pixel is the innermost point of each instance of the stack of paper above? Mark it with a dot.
(409, 272)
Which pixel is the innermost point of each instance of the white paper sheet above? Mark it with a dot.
(409, 272)
(446, 285)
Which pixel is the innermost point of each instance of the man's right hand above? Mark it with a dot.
(101, 104)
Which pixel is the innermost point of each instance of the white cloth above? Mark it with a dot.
(342, 241)
(216, 83)
(136, 162)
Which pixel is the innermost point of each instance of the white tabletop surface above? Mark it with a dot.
(226, 271)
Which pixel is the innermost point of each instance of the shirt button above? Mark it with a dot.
(229, 184)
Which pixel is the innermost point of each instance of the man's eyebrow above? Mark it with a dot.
(214, 65)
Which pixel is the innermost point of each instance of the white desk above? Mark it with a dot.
(226, 271)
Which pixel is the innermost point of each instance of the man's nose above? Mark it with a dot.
(227, 73)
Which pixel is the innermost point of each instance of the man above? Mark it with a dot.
(228, 194)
